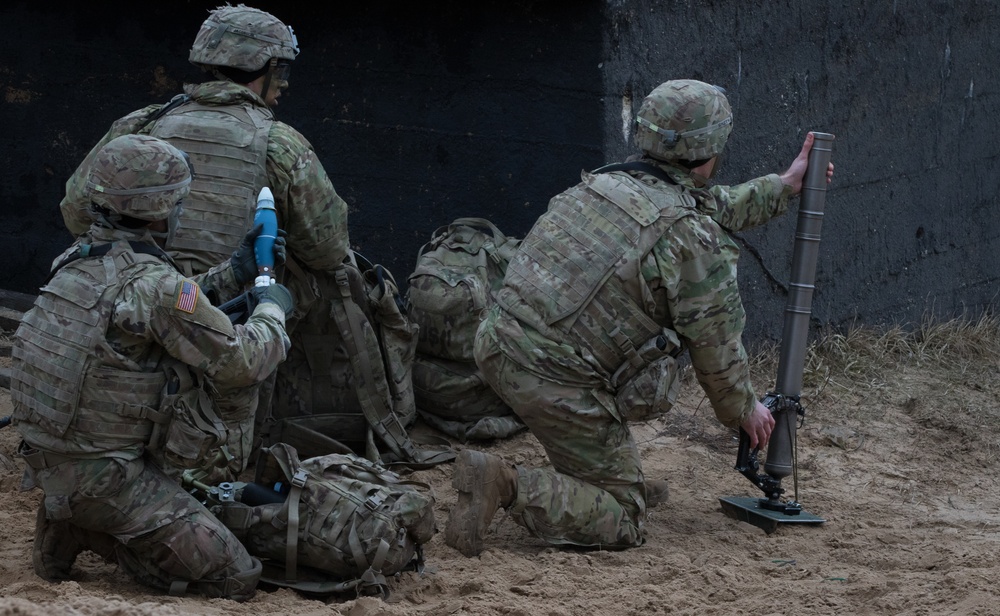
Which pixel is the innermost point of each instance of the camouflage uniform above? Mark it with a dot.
(551, 344)
(309, 209)
(108, 381)
(97, 484)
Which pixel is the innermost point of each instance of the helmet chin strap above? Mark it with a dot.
(277, 72)
(699, 180)
(702, 180)
(166, 238)
(267, 79)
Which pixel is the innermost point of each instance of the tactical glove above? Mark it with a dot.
(276, 294)
(243, 260)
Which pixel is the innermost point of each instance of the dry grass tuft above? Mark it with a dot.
(939, 376)
(939, 373)
(867, 356)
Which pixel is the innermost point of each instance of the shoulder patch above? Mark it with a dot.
(187, 296)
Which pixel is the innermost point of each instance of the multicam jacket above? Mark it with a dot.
(221, 127)
(87, 372)
(623, 254)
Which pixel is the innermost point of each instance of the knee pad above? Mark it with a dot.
(239, 586)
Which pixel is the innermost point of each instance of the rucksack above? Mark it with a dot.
(327, 524)
(453, 284)
(347, 383)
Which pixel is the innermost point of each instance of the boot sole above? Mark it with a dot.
(462, 532)
(467, 477)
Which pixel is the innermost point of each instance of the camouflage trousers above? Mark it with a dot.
(129, 512)
(237, 407)
(594, 496)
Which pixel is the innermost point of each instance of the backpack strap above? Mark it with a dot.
(299, 479)
(172, 104)
(86, 251)
(287, 460)
(372, 575)
(365, 363)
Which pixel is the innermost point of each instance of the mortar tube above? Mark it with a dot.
(791, 363)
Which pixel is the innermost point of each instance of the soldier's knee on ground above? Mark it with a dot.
(194, 551)
(237, 582)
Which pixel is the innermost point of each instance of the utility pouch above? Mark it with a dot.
(651, 390)
(193, 428)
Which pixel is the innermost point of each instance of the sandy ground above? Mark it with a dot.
(900, 464)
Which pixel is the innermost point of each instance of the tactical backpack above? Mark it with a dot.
(326, 524)
(346, 386)
(456, 276)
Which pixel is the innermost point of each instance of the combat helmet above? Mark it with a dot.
(138, 177)
(685, 120)
(242, 38)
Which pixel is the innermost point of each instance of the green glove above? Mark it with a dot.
(275, 294)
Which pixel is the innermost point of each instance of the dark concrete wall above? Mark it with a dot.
(424, 112)
(910, 89)
(420, 112)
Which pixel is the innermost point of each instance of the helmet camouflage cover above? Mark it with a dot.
(242, 37)
(684, 119)
(140, 177)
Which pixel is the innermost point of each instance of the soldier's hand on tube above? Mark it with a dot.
(275, 293)
(759, 426)
(243, 260)
(797, 170)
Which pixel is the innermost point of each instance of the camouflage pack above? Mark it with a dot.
(347, 383)
(456, 277)
(327, 524)
(454, 398)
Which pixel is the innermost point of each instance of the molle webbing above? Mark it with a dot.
(120, 405)
(57, 383)
(573, 267)
(228, 149)
(54, 342)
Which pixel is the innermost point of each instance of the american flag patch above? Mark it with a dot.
(188, 298)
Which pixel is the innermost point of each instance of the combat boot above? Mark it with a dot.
(55, 548)
(485, 483)
(58, 543)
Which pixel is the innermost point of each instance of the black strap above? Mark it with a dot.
(175, 102)
(87, 251)
(637, 165)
